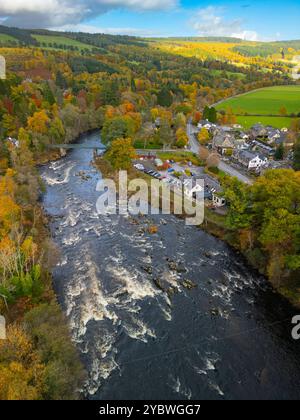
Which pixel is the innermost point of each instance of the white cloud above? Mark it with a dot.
(51, 13)
(210, 21)
(246, 35)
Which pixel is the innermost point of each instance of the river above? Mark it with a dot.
(227, 338)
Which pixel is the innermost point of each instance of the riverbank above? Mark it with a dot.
(38, 351)
(216, 226)
(34, 318)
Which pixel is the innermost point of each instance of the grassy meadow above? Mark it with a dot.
(277, 122)
(267, 101)
(265, 106)
(61, 40)
(7, 38)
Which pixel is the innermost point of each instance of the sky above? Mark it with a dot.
(252, 20)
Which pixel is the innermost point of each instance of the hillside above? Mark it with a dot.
(7, 39)
(60, 42)
(234, 50)
(266, 56)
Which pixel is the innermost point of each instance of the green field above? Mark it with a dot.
(277, 122)
(61, 40)
(7, 38)
(266, 101)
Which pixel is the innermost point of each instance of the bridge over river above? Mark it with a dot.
(75, 146)
(100, 147)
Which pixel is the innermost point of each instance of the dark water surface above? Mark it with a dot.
(228, 338)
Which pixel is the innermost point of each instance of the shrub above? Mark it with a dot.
(63, 370)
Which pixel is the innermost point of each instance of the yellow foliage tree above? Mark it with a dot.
(203, 136)
(22, 375)
(38, 123)
(9, 210)
(121, 153)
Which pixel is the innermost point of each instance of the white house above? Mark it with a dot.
(252, 161)
(206, 124)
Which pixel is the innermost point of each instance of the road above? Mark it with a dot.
(194, 147)
(234, 172)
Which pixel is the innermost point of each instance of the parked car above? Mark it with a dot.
(139, 167)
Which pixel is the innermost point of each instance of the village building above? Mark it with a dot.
(209, 126)
(243, 135)
(279, 164)
(241, 144)
(223, 143)
(262, 148)
(252, 161)
(258, 131)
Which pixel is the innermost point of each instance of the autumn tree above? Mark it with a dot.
(164, 97)
(203, 153)
(237, 195)
(180, 120)
(110, 93)
(181, 137)
(213, 160)
(56, 131)
(121, 153)
(204, 136)
(279, 152)
(210, 114)
(296, 162)
(197, 117)
(21, 370)
(269, 211)
(283, 111)
(38, 123)
(118, 127)
(165, 133)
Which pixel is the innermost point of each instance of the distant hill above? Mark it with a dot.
(200, 39)
(43, 37)
(266, 49)
(63, 40)
(20, 36)
(222, 48)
